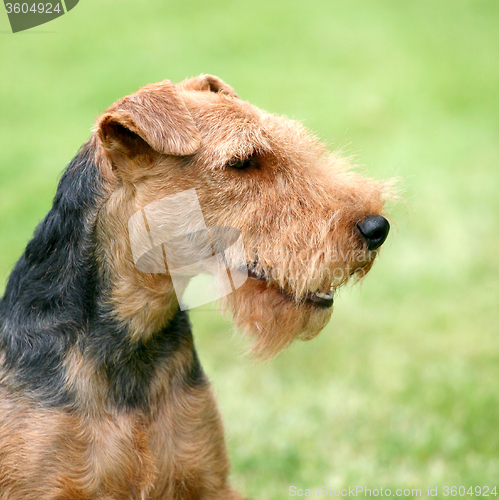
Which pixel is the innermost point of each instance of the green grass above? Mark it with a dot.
(401, 389)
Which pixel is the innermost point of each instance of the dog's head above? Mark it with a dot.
(307, 223)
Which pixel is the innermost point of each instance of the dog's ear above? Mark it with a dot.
(156, 117)
(208, 83)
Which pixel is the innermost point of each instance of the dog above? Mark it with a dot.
(102, 395)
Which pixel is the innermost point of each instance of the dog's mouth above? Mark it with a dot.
(319, 299)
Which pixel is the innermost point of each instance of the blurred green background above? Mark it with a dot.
(401, 389)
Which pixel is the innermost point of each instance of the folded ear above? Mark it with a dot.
(155, 117)
(208, 83)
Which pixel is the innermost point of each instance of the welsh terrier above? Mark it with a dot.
(102, 395)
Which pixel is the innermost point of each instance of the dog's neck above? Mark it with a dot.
(143, 302)
(66, 290)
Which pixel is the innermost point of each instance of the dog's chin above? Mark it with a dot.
(273, 318)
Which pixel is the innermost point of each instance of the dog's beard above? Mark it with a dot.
(271, 319)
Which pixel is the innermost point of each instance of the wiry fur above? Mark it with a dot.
(101, 392)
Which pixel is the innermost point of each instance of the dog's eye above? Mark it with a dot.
(242, 163)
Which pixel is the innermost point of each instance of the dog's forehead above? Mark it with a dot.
(209, 109)
(231, 127)
(228, 124)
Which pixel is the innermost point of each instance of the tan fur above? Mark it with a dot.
(296, 209)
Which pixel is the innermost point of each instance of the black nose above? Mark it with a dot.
(374, 229)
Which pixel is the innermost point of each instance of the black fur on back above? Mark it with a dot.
(54, 301)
